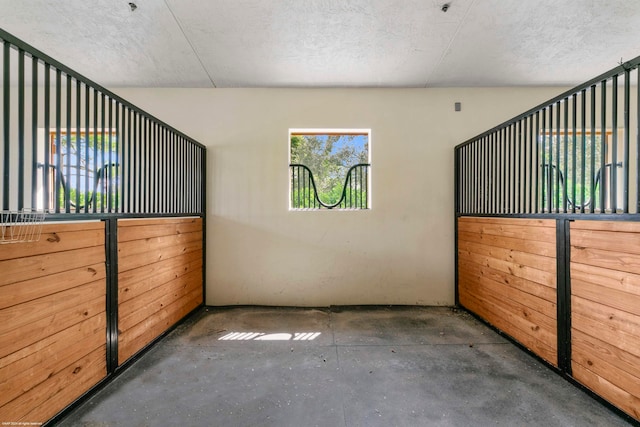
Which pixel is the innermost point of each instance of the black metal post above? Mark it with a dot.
(111, 254)
(563, 289)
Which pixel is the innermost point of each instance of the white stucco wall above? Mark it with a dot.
(399, 252)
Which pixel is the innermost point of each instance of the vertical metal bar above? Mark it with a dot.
(118, 168)
(127, 161)
(94, 202)
(604, 181)
(574, 118)
(34, 132)
(508, 172)
(503, 173)
(58, 145)
(518, 189)
(109, 175)
(67, 166)
(627, 130)
(614, 145)
(78, 143)
(182, 174)
(473, 191)
(47, 129)
(638, 142)
(545, 167)
(153, 166)
(494, 173)
(102, 158)
(20, 129)
(6, 126)
(528, 155)
(550, 164)
(135, 163)
(565, 147)
(536, 161)
(163, 171)
(593, 150)
(583, 182)
(144, 164)
(558, 161)
(87, 145)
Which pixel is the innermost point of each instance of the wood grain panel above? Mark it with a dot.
(507, 275)
(134, 339)
(52, 320)
(605, 310)
(159, 279)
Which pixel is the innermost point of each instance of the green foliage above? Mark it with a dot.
(329, 157)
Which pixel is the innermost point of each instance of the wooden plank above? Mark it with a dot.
(497, 316)
(548, 308)
(151, 243)
(533, 288)
(542, 234)
(41, 403)
(15, 340)
(617, 338)
(21, 292)
(138, 222)
(58, 241)
(28, 372)
(606, 296)
(539, 325)
(618, 397)
(145, 305)
(607, 278)
(21, 269)
(510, 255)
(14, 317)
(61, 338)
(126, 234)
(606, 259)
(143, 333)
(522, 222)
(547, 278)
(628, 243)
(547, 249)
(606, 370)
(613, 318)
(622, 360)
(128, 261)
(132, 283)
(615, 226)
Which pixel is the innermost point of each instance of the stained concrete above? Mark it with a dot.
(368, 367)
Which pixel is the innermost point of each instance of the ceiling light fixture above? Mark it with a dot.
(133, 6)
(445, 7)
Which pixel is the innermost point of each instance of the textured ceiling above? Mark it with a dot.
(330, 43)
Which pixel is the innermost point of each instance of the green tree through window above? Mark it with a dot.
(329, 157)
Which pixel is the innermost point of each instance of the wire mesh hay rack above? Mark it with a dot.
(21, 226)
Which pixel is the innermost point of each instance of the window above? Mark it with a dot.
(576, 170)
(84, 170)
(329, 169)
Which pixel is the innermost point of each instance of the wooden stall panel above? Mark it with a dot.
(605, 310)
(507, 275)
(52, 321)
(159, 278)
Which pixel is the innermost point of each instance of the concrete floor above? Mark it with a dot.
(366, 367)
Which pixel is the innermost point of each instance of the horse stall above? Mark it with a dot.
(548, 233)
(102, 243)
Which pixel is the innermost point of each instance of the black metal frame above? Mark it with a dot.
(356, 180)
(505, 173)
(161, 171)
